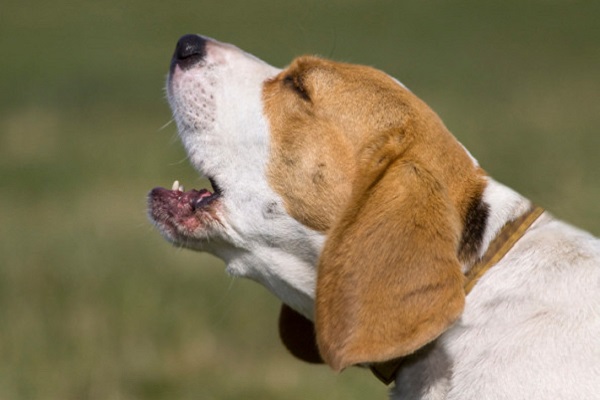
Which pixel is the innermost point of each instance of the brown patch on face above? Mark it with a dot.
(327, 118)
(357, 155)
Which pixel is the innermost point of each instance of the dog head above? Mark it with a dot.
(334, 186)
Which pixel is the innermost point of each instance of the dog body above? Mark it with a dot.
(529, 329)
(340, 191)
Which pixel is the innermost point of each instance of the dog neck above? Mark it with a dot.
(497, 240)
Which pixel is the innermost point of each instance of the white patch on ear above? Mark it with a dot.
(400, 83)
(475, 162)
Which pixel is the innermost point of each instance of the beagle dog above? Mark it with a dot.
(344, 194)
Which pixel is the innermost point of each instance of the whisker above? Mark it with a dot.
(167, 124)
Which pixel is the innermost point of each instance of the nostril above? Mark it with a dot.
(190, 50)
(189, 46)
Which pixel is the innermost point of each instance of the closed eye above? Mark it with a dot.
(295, 83)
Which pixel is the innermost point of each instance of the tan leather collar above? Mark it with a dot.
(510, 233)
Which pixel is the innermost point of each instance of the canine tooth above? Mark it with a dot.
(175, 185)
(181, 189)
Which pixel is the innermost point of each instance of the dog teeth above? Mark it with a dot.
(177, 186)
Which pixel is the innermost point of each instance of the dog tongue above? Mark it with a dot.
(193, 197)
(199, 198)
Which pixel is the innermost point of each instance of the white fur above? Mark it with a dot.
(531, 326)
(505, 204)
(218, 110)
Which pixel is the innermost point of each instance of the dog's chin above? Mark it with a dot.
(185, 218)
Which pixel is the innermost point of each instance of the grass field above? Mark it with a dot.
(95, 305)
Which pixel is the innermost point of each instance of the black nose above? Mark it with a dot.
(190, 50)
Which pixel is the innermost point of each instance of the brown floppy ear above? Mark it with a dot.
(389, 280)
(298, 335)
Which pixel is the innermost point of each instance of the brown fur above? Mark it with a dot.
(361, 158)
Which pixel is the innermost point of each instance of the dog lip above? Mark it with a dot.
(179, 214)
(201, 198)
(216, 188)
(179, 202)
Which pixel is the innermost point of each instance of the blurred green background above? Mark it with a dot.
(95, 305)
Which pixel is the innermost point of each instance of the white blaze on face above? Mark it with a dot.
(217, 105)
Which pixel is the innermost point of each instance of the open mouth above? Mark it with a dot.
(179, 213)
(196, 199)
